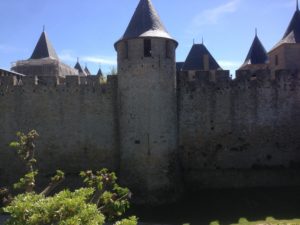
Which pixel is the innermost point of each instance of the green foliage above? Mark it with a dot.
(270, 219)
(64, 208)
(27, 181)
(243, 220)
(60, 175)
(102, 199)
(111, 199)
(130, 221)
(25, 146)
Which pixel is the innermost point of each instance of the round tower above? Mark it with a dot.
(148, 108)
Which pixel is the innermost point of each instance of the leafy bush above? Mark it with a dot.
(102, 199)
(64, 208)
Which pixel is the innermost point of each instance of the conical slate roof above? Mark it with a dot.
(257, 53)
(195, 59)
(99, 72)
(44, 49)
(87, 71)
(145, 22)
(79, 68)
(292, 34)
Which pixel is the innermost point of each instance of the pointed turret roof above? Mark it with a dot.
(79, 68)
(292, 33)
(257, 53)
(44, 49)
(195, 59)
(145, 22)
(99, 72)
(86, 70)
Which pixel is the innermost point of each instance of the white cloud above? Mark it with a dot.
(212, 16)
(70, 56)
(99, 60)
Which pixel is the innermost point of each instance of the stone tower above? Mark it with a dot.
(148, 107)
(200, 59)
(43, 61)
(286, 53)
(257, 58)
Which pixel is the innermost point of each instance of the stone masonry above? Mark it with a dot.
(162, 130)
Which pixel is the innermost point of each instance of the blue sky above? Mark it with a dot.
(88, 29)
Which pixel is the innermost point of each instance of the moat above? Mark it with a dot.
(226, 206)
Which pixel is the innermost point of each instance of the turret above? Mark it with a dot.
(43, 61)
(286, 53)
(257, 57)
(199, 59)
(148, 107)
(78, 67)
(87, 71)
(44, 49)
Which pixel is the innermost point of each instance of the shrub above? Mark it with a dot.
(102, 200)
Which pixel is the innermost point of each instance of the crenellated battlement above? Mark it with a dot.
(49, 82)
(244, 79)
(208, 130)
(228, 125)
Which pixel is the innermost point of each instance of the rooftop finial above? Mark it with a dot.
(297, 5)
(202, 40)
(78, 59)
(256, 31)
(193, 41)
(44, 28)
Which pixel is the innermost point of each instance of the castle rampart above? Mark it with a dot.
(159, 124)
(77, 123)
(240, 133)
(232, 133)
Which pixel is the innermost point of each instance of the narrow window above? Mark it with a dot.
(147, 48)
(168, 49)
(276, 60)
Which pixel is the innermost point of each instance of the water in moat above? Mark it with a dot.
(226, 206)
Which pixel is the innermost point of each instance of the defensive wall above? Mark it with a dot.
(76, 121)
(240, 133)
(232, 133)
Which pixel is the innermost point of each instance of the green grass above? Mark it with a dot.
(268, 221)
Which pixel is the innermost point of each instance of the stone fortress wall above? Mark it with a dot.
(240, 133)
(232, 133)
(77, 124)
(159, 131)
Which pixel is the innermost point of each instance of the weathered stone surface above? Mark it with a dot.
(148, 119)
(240, 133)
(77, 127)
